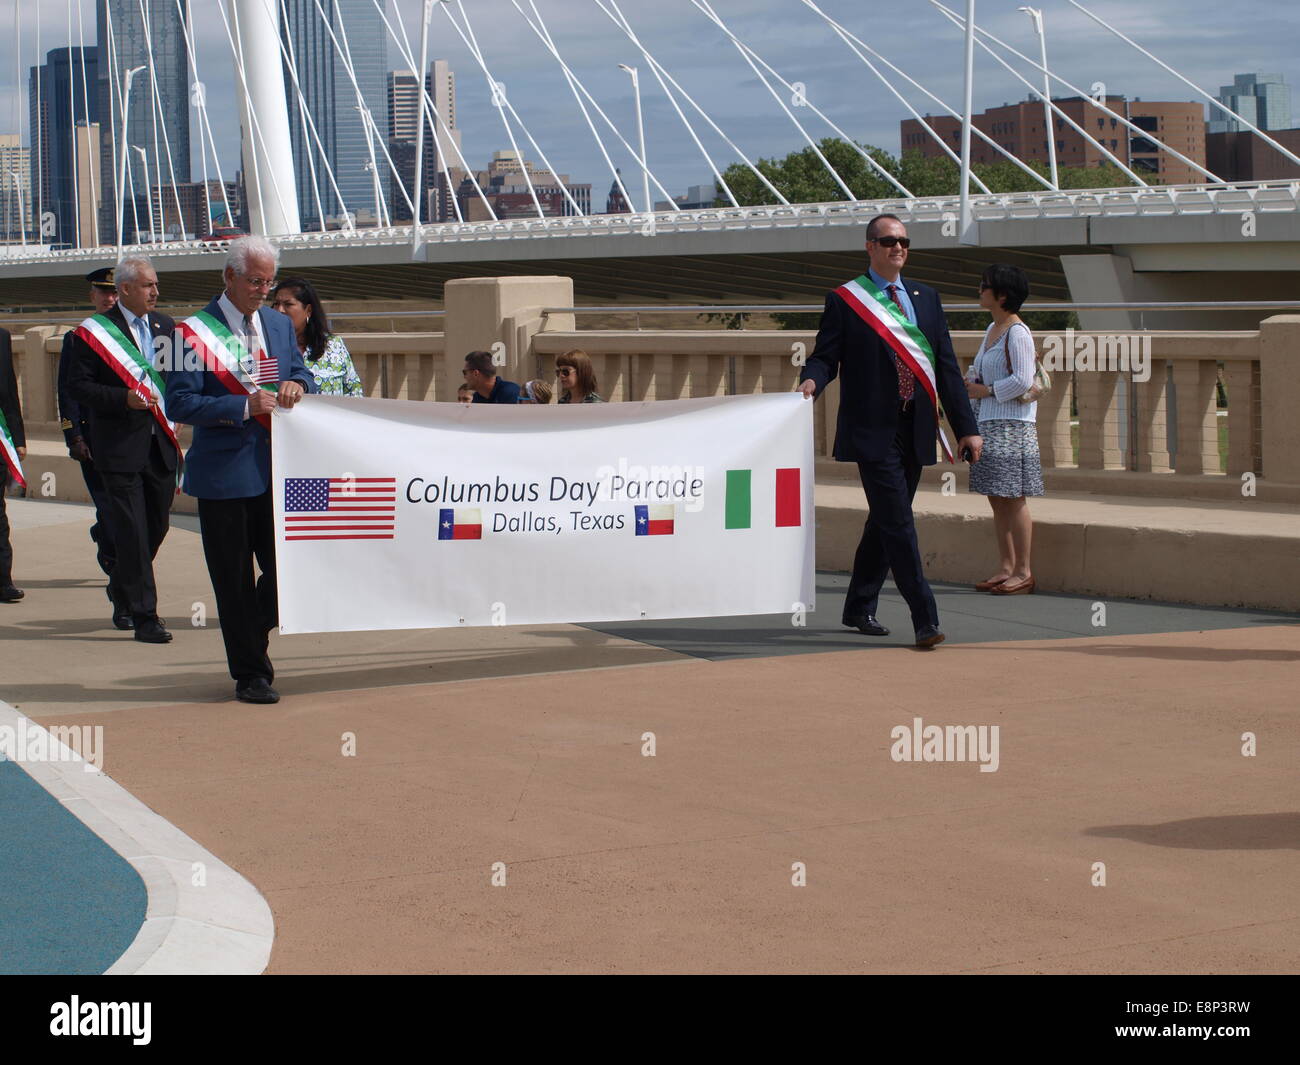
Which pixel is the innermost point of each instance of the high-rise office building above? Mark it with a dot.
(16, 199)
(350, 119)
(1264, 100)
(403, 117)
(158, 112)
(61, 97)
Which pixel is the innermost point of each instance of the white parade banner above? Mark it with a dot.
(395, 514)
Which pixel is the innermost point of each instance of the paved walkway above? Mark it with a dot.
(372, 805)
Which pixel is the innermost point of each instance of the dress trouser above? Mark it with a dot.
(105, 554)
(235, 532)
(6, 549)
(889, 536)
(139, 506)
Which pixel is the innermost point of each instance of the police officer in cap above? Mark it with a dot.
(76, 432)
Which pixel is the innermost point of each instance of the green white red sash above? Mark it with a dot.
(224, 354)
(10, 451)
(133, 366)
(903, 338)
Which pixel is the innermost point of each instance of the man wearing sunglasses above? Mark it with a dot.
(887, 340)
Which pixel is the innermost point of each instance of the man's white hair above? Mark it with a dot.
(128, 271)
(244, 248)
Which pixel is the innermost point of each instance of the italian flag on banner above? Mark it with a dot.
(739, 509)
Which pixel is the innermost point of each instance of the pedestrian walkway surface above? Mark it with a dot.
(685, 796)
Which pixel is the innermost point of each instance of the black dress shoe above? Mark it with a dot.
(257, 690)
(122, 618)
(867, 625)
(150, 630)
(10, 594)
(928, 636)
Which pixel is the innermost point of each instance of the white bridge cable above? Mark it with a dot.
(959, 21)
(156, 98)
(153, 125)
(505, 100)
(576, 86)
(659, 68)
(34, 135)
(623, 24)
(498, 100)
(309, 125)
(345, 55)
(404, 47)
(544, 35)
(1213, 100)
(367, 123)
(749, 56)
(204, 125)
(1101, 106)
(114, 93)
(237, 50)
(853, 43)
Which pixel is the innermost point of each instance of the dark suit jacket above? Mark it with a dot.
(119, 436)
(869, 415)
(231, 456)
(9, 395)
(75, 417)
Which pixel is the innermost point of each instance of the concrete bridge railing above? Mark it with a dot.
(1151, 424)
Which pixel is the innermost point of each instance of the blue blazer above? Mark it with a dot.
(868, 420)
(230, 457)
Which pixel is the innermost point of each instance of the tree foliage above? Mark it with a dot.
(801, 177)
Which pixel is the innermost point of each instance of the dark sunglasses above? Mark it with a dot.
(889, 242)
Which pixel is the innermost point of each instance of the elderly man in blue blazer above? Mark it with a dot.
(236, 361)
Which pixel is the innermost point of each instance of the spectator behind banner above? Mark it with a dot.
(465, 394)
(576, 378)
(481, 375)
(536, 391)
(13, 419)
(324, 352)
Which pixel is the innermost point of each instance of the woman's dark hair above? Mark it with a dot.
(316, 332)
(1009, 285)
(585, 374)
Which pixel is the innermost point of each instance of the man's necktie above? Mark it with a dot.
(144, 340)
(265, 371)
(906, 379)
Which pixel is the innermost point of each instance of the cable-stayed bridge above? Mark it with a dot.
(1144, 241)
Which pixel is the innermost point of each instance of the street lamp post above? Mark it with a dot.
(640, 133)
(121, 173)
(154, 235)
(1036, 16)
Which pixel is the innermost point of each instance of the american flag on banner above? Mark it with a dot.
(340, 508)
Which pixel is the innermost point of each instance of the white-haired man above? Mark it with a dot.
(238, 361)
(112, 371)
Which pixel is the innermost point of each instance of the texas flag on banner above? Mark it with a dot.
(460, 524)
(656, 519)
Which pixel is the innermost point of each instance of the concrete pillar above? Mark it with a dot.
(505, 311)
(1198, 428)
(37, 373)
(1279, 343)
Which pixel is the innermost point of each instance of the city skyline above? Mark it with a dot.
(787, 35)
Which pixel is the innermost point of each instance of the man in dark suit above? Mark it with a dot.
(887, 418)
(13, 417)
(228, 468)
(76, 434)
(135, 452)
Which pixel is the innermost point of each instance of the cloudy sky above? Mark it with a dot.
(1206, 40)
